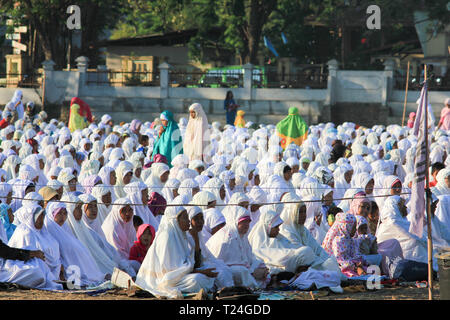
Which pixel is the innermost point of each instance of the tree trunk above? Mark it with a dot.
(257, 16)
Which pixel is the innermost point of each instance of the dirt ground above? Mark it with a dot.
(359, 293)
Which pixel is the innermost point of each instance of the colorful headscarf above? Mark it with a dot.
(292, 129)
(170, 143)
(358, 199)
(239, 121)
(9, 227)
(156, 203)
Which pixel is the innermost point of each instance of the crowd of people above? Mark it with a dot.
(188, 205)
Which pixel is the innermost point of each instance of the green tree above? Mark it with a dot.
(48, 18)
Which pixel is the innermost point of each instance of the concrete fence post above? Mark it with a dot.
(388, 81)
(48, 66)
(164, 80)
(333, 67)
(248, 81)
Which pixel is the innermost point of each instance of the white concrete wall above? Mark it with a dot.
(29, 94)
(359, 86)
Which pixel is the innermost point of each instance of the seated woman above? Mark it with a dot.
(395, 225)
(124, 174)
(440, 222)
(73, 252)
(277, 252)
(103, 195)
(230, 244)
(118, 227)
(204, 260)
(170, 273)
(29, 236)
(367, 242)
(157, 179)
(157, 205)
(294, 217)
(137, 192)
(104, 254)
(340, 243)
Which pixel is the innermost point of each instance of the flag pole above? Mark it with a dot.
(406, 94)
(428, 197)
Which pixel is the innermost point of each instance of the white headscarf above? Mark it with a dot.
(26, 236)
(134, 193)
(232, 248)
(279, 252)
(118, 233)
(123, 168)
(441, 186)
(197, 137)
(162, 269)
(106, 256)
(98, 192)
(73, 252)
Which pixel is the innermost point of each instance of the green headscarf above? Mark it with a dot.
(170, 144)
(292, 129)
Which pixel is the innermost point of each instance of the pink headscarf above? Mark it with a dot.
(358, 199)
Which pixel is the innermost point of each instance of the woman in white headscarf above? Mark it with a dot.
(365, 182)
(20, 190)
(137, 192)
(204, 259)
(395, 225)
(124, 173)
(196, 142)
(294, 217)
(443, 183)
(158, 177)
(29, 236)
(230, 244)
(169, 273)
(257, 197)
(277, 252)
(73, 252)
(118, 227)
(238, 199)
(391, 186)
(188, 187)
(104, 201)
(181, 161)
(441, 222)
(47, 244)
(105, 255)
(229, 179)
(342, 179)
(170, 190)
(17, 103)
(12, 165)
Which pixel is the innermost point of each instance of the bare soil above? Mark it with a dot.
(350, 293)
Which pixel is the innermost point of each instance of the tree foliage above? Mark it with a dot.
(48, 18)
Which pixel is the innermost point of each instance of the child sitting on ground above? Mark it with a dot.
(145, 235)
(331, 214)
(368, 247)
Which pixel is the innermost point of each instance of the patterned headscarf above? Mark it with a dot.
(358, 199)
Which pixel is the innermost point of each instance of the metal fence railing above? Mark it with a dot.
(309, 76)
(297, 80)
(123, 78)
(18, 80)
(435, 83)
(207, 79)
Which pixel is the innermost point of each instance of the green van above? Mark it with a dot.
(232, 77)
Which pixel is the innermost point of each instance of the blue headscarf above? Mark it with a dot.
(170, 144)
(9, 227)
